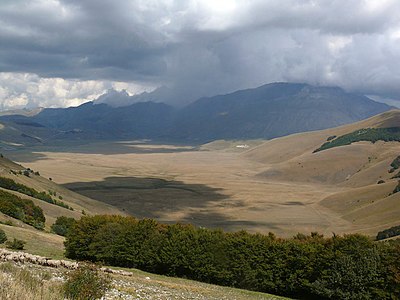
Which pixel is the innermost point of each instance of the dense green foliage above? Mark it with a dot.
(86, 283)
(387, 233)
(16, 244)
(9, 184)
(62, 225)
(3, 236)
(21, 209)
(348, 267)
(367, 134)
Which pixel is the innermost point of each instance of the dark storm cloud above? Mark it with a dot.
(206, 47)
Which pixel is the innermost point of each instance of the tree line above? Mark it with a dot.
(21, 209)
(366, 134)
(9, 184)
(305, 266)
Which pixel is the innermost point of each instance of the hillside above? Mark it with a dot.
(26, 282)
(269, 111)
(354, 169)
(42, 242)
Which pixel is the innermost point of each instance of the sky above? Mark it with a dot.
(59, 53)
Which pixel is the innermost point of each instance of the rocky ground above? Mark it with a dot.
(23, 280)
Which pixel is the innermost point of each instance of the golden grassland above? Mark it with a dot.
(277, 185)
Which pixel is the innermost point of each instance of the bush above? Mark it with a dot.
(396, 189)
(62, 225)
(16, 244)
(395, 164)
(330, 138)
(3, 236)
(86, 283)
(387, 233)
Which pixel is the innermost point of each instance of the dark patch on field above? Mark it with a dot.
(156, 198)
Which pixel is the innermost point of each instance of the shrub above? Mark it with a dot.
(396, 189)
(330, 138)
(86, 283)
(16, 244)
(387, 233)
(62, 225)
(3, 236)
(395, 164)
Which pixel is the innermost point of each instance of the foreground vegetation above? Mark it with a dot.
(28, 281)
(19, 283)
(367, 134)
(348, 267)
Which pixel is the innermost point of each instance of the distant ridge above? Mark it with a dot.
(269, 111)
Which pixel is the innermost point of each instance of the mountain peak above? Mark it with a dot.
(114, 98)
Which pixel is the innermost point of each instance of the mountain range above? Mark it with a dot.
(269, 111)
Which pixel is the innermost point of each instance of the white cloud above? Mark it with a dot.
(18, 90)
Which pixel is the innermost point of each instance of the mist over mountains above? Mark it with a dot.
(269, 111)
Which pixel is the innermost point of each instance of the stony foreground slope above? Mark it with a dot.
(27, 277)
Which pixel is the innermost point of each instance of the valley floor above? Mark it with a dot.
(210, 188)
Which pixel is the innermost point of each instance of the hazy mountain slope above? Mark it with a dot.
(268, 111)
(100, 121)
(18, 130)
(273, 110)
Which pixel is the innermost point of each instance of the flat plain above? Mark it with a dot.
(277, 186)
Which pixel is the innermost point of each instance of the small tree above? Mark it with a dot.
(16, 244)
(62, 225)
(3, 236)
(86, 283)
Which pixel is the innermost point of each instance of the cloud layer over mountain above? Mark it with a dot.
(59, 52)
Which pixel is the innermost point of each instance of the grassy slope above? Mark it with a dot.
(353, 169)
(39, 183)
(27, 282)
(37, 242)
(43, 242)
